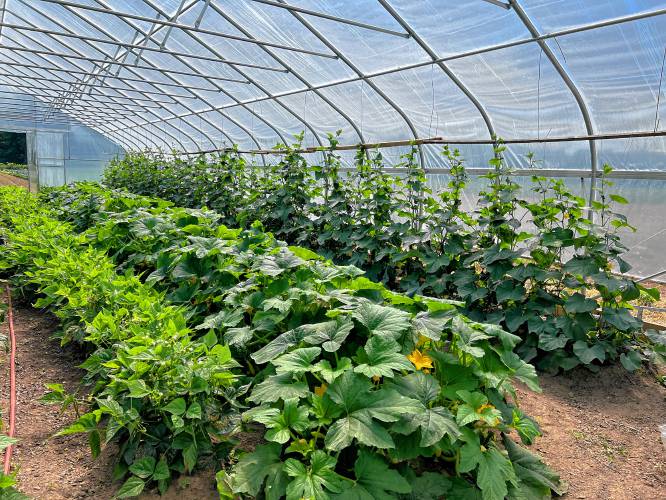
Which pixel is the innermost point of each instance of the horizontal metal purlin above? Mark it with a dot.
(549, 172)
(461, 55)
(331, 17)
(30, 116)
(45, 109)
(18, 27)
(41, 98)
(59, 113)
(37, 101)
(105, 61)
(56, 89)
(39, 105)
(126, 105)
(440, 140)
(65, 120)
(121, 78)
(193, 29)
(75, 82)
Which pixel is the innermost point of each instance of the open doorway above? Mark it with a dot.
(13, 148)
(13, 159)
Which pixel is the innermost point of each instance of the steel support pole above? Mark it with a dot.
(431, 53)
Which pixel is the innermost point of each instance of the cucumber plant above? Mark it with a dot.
(529, 262)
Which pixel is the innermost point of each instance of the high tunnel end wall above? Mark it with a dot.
(61, 157)
(59, 148)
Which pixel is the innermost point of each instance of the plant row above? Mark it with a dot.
(152, 387)
(359, 392)
(537, 262)
(15, 169)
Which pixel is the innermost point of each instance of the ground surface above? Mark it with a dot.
(601, 433)
(600, 430)
(10, 180)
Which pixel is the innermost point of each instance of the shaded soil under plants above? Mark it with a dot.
(600, 430)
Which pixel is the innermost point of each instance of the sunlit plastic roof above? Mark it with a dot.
(198, 75)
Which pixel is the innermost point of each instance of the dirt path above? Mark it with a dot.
(49, 468)
(61, 468)
(601, 434)
(600, 430)
(10, 180)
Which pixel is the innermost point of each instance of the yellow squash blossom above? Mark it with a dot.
(320, 390)
(420, 360)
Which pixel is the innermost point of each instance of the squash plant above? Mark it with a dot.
(341, 401)
(347, 378)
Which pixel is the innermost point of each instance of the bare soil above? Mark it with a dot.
(54, 468)
(600, 430)
(10, 180)
(61, 468)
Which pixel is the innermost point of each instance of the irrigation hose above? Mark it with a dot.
(12, 380)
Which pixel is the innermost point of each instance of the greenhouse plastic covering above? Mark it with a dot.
(61, 148)
(198, 75)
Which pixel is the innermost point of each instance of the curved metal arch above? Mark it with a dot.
(571, 85)
(460, 55)
(159, 118)
(431, 53)
(56, 89)
(118, 138)
(187, 63)
(221, 89)
(76, 64)
(122, 142)
(105, 108)
(173, 79)
(123, 57)
(370, 83)
(111, 61)
(139, 126)
(100, 127)
(280, 61)
(244, 75)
